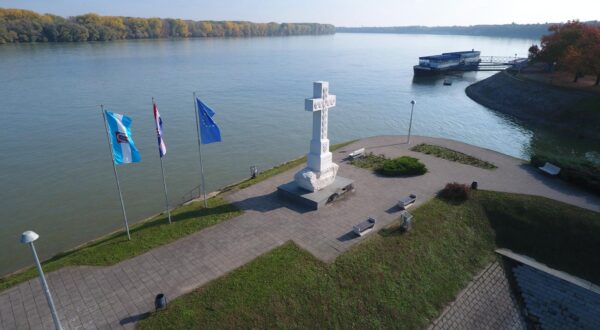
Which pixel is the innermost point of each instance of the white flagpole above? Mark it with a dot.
(162, 170)
(112, 161)
(196, 114)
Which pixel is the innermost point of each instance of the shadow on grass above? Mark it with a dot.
(557, 184)
(453, 201)
(561, 236)
(392, 230)
(186, 215)
(380, 174)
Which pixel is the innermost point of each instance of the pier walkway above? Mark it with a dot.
(498, 63)
(115, 297)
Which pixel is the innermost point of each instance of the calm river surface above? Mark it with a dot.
(56, 175)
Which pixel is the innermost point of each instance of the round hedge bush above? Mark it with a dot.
(402, 166)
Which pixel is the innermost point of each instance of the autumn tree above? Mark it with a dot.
(590, 46)
(574, 46)
(18, 25)
(534, 52)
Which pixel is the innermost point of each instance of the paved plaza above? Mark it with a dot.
(118, 295)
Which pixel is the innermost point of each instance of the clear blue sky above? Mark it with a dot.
(338, 12)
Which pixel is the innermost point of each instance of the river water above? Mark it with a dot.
(55, 172)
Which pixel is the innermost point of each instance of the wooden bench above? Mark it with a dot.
(407, 201)
(550, 168)
(357, 154)
(364, 227)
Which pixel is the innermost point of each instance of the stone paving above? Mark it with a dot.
(118, 295)
(486, 303)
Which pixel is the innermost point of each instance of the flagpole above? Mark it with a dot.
(200, 149)
(162, 170)
(112, 160)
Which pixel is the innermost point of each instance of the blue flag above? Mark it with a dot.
(209, 131)
(124, 150)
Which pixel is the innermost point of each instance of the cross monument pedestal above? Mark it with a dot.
(317, 183)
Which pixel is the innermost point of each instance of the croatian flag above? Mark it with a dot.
(124, 150)
(209, 131)
(162, 148)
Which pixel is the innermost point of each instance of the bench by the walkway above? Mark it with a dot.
(357, 154)
(364, 227)
(407, 201)
(550, 168)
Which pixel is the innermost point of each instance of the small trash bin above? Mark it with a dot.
(406, 221)
(474, 185)
(160, 302)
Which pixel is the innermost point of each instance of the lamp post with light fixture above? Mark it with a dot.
(413, 102)
(29, 237)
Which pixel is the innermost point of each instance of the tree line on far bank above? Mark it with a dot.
(572, 47)
(17, 25)
(502, 30)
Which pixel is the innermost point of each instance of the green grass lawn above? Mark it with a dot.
(144, 236)
(399, 166)
(370, 161)
(452, 155)
(392, 280)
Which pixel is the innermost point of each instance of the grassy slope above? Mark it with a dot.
(562, 236)
(392, 280)
(187, 219)
(452, 155)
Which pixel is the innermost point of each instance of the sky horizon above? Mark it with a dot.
(350, 13)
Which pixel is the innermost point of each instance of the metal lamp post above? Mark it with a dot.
(27, 238)
(413, 102)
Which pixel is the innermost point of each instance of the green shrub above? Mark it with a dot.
(452, 155)
(402, 166)
(456, 192)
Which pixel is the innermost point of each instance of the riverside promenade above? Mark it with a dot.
(116, 296)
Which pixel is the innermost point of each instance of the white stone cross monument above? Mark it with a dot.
(320, 170)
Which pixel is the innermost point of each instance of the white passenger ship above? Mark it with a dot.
(447, 62)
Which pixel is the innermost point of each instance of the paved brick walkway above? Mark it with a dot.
(115, 296)
(486, 303)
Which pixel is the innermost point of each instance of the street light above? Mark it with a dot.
(27, 238)
(413, 102)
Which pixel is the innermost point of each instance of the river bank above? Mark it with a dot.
(554, 114)
(540, 104)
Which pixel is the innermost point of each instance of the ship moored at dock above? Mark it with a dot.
(435, 64)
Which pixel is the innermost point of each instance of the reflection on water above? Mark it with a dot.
(55, 167)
